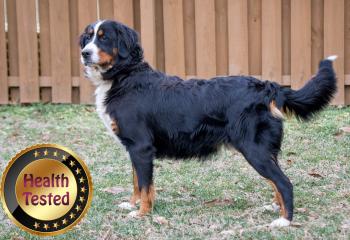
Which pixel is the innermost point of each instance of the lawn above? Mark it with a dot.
(221, 198)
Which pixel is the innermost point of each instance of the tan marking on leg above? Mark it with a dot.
(136, 195)
(279, 200)
(114, 127)
(147, 200)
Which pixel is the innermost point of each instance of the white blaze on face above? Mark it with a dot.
(91, 46)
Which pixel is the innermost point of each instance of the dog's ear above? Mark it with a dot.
(127, 39)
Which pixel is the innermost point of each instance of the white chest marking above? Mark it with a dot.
(100, 94)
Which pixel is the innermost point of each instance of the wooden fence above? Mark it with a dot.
(280, 40)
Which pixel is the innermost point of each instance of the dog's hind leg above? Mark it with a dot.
(263, 162)
(275, 205)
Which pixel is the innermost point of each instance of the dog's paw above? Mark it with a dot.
(134, 214)
(127, 206)
(280, 222)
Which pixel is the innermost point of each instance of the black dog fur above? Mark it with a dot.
(164, 116)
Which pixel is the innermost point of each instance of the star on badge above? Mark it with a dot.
(36, 154)
(78, 170)
(46, 226)
(36, 225)
(55, 225)
(71, 215)
(78, 208)
(81, 180)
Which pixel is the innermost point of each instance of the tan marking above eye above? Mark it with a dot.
(100, 32)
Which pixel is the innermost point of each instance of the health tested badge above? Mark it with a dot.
(46, 189)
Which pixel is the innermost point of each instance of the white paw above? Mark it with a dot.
(127, 206)
(280, 222)
(274, 207)
(134, 214)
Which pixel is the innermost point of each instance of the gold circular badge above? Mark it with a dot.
(46, 189)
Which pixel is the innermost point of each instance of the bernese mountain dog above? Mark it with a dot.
(155, 115)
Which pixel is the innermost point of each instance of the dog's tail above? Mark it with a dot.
(313, 97)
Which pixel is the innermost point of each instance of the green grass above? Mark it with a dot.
(322, 205)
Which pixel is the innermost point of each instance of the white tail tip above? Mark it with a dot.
(332, 58)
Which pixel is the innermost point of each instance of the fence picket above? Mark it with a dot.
(254, 36)
(221, 34)
(124, 12)
(286, 41)
(174, 37)
(27, 51)
(3, 61)
(44, 48)
(106, 9)
(205, 38)
(60, 48)
(334, 41)
(87, 14)
(300, 42)
(271, 40)
(238, 37)
(347, 51)
(190, 38)
(147, 30)
(74, 48)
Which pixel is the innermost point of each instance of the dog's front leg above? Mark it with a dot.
(142, 160)
(136, 195)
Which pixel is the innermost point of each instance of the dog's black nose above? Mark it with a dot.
(86, 54)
